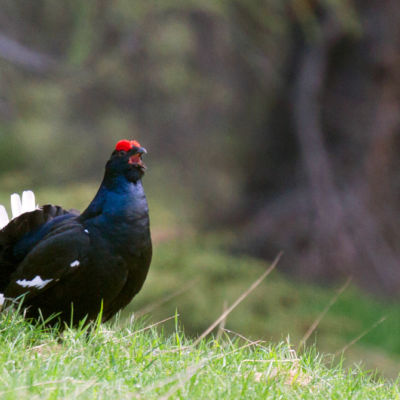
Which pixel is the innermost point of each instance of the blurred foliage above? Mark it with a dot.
(169, 74)
(275, 119)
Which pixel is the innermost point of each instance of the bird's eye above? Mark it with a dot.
(122, 153)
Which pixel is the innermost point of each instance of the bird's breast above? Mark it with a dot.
(129, 237)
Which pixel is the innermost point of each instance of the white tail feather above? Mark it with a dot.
(16, 206)
(3, 217)
(28, 201)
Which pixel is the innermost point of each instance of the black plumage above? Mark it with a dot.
(68, 263)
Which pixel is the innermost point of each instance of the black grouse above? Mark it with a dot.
(73, 265)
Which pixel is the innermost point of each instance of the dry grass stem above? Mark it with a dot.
(361, 335)
(238, 335)
(238, 300)
(165, 299)
(315, 324)
(149, 327)
(287, 360)
(223, 322)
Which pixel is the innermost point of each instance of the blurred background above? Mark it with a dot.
(271, 125)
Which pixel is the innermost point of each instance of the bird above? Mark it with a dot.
(70, 267)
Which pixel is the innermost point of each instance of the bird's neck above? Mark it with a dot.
(116, 198)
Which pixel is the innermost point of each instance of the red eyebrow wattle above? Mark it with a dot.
(135, 143)
(126, 145)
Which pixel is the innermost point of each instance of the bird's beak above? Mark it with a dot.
(136, 156)
(138, 150)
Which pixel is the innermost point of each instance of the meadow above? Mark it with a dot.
(139, 361)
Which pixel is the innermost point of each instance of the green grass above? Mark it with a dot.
(139, 361)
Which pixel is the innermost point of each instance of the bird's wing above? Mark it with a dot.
(62, 252)
(63, 261)
(19, 236)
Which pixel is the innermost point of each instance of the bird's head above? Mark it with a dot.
(126, 159)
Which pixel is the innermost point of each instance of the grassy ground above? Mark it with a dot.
(194, 274)
(137, 361)
(278, 309)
